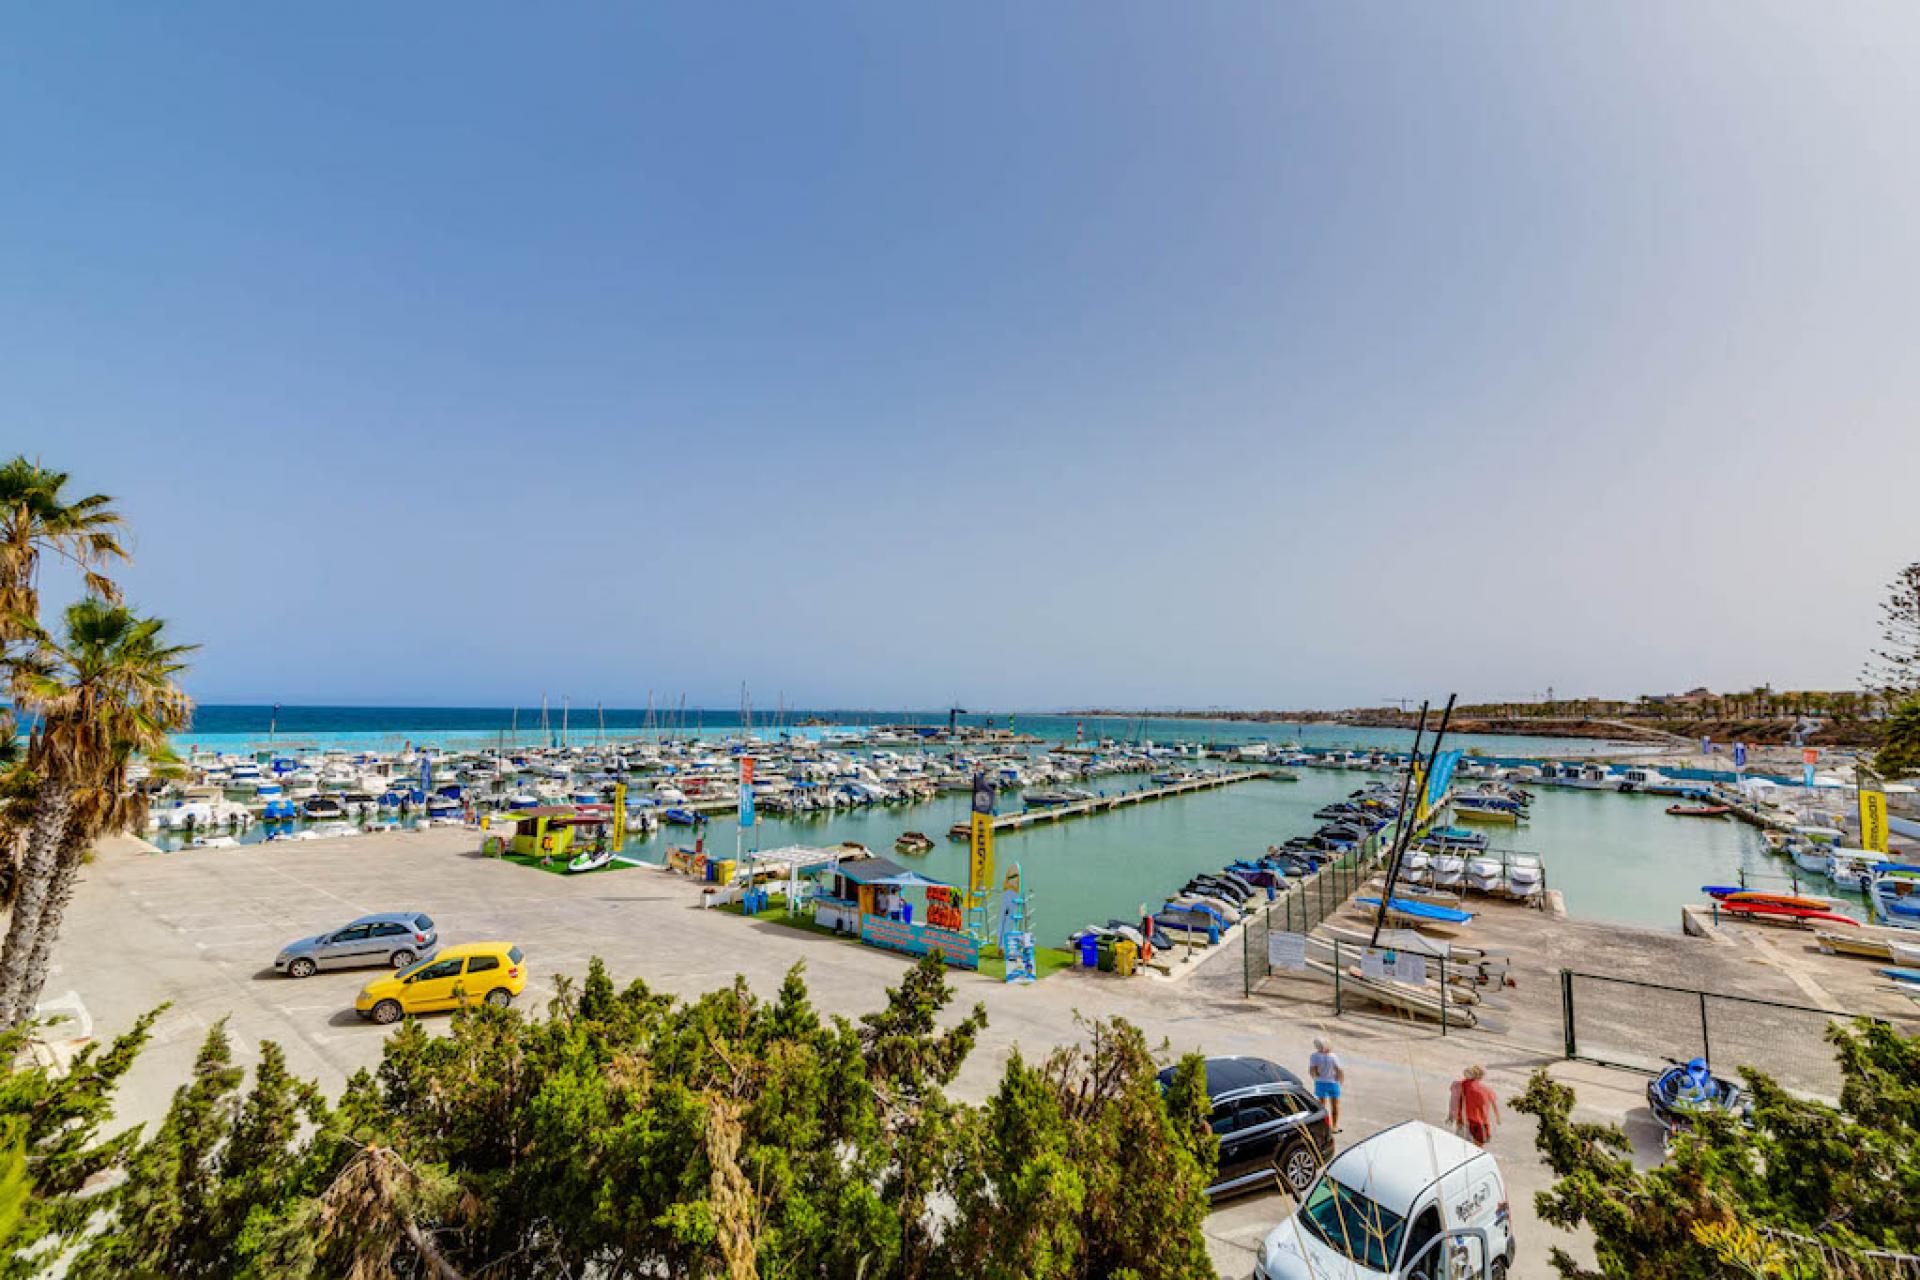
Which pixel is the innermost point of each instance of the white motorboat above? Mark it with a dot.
(1811, 858)
(1853, 868)
(1484, 874)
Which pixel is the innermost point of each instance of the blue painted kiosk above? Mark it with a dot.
(869, 898)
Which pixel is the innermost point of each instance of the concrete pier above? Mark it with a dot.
(1104, 804)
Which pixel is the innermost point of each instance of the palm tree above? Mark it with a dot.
(103, 696)
(35, 520)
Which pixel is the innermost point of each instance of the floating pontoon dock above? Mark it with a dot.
(1102, 804)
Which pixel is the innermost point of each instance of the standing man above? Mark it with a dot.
(1328, 1075)
(1474, 1106)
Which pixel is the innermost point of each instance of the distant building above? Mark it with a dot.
(1691, 698)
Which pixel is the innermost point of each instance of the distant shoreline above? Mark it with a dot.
(1775, 732)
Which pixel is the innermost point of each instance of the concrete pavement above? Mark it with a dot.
(199, 929)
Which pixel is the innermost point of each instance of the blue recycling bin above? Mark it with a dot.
(1090, 952)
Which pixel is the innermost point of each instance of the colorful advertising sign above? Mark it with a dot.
(746, 791)
(619, 816)
(960, 950)
(980, 846)
(1873, 812)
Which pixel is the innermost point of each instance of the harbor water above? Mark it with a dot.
(1616, 858)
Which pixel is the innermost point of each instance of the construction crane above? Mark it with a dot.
(1405, 704)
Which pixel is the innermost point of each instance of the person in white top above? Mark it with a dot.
(1328, 1075)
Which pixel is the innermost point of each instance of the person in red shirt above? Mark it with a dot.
(1474, 1106)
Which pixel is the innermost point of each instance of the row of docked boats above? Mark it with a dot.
(1211, 903)
(1892, 889)
(666, 780)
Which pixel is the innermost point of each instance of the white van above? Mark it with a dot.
(1413, 1202)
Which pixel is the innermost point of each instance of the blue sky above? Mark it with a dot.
(1031, 355)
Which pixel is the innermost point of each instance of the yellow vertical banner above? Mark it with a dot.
(980, 861)
(1873, 812)
(1420, 794)
(619, 815)
(980, 846)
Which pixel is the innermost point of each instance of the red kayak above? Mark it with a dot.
(1782, 911)
(1804, 900)
(1699, 810)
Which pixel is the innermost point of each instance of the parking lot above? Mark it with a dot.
(198, 931)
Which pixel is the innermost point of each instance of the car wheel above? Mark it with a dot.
(402, 958)
(499, 997)
(387, 1011)
(1498, 1271)
(301, 968)
(1297, 1168)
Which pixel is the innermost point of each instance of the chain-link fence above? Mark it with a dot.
(1623, 1022)
(1299, 908)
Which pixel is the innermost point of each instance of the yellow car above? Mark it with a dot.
(453, 976)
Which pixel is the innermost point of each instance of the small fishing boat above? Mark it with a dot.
(1895, 894)
(913, 842)
(1484, 809)
(321, 808)
(960, 831)
(1699, 810)
(683, 817)
(1854, 868)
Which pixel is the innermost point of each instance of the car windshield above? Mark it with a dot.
(1352, 1225)
(413, 968)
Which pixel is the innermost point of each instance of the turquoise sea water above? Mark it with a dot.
(244, 728)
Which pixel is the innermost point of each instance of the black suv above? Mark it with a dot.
(1269, 1124)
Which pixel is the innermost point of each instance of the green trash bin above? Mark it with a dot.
(1106, 955)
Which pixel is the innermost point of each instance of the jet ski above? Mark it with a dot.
(1687, 1090)
(591, 860)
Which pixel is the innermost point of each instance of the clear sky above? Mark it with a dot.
(1026, 354)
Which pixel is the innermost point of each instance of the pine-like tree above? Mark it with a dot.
(1894, 668)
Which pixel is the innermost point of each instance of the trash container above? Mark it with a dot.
(1089, 951)
(1106, 955)
(1124, 955)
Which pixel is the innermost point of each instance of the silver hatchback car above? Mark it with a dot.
(391, 938)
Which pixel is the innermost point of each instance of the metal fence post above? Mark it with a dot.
(1338, 969)
(1706, 1040)
(1443, 996)
(1566, 1011)
(1246, 960)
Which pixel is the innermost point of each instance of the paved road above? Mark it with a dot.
(199, 930)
